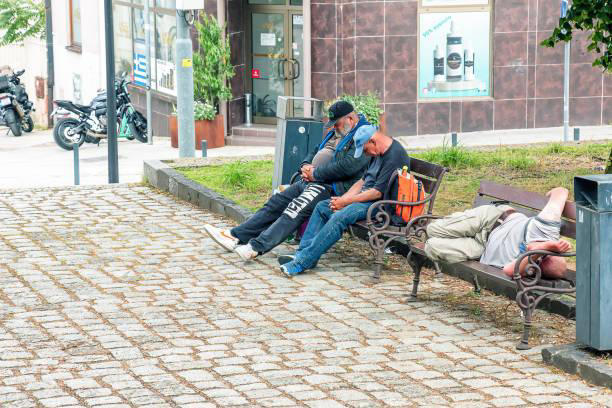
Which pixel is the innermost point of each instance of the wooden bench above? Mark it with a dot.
(528, 291)
(379, 226)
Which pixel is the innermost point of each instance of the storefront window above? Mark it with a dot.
(165, 37)
(130, 51)
(123, 39)
(454, 49)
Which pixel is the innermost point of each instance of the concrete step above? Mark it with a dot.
(235, 140)
(254, 135)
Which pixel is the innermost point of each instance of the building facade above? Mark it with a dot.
(438, 66)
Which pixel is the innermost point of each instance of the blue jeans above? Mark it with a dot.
(325, 228)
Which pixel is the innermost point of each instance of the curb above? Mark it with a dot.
(572, 359)
(161, 176)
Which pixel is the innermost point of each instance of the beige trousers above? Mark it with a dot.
(462, 236)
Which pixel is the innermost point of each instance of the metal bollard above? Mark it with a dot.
(576, 134)
(77, 177)
(248, 109)
(204, 145)
(454, 139)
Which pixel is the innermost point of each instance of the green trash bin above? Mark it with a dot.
(299, 131)
(593, 197)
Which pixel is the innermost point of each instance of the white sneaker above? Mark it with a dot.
(246, 252)
(222, 237)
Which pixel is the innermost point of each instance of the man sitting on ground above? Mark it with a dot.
(332, 217)
(497, 235)
(332, 169)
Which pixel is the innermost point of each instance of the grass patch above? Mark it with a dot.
(249, 183)
(534, 168)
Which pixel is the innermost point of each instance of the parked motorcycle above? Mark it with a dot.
(10, 110)
(88, 123)
(27, 124)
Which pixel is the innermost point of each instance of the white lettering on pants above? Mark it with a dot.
(298, 204)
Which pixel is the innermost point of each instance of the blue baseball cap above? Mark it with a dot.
(363, 134)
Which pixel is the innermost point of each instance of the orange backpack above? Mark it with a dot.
(409, 190)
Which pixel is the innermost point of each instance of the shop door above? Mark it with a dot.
(276, 58)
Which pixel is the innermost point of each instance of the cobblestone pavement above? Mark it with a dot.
(114, 297)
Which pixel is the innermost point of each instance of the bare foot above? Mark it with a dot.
(560, 246)
(558, 190)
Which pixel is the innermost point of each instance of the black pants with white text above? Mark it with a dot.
(281, 215)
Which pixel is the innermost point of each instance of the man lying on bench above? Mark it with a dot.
(497, 235)
(332, 217)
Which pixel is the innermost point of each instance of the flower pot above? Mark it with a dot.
(209, 130)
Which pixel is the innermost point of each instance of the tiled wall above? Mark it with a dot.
(359, 46)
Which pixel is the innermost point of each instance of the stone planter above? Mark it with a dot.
(209, 130)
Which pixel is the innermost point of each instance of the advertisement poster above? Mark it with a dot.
(166, 77)
(140, 63)
(454, 55)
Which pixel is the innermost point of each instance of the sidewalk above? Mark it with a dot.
(507, 137)
(34, 160)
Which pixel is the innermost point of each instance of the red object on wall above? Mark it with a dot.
(255, 73)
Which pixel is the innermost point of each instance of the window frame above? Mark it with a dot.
(72, 44)
(476, 6)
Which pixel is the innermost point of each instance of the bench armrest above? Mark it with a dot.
(533, 272)
(383, 217)
(417, 227)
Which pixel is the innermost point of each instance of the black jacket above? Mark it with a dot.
(344, 169)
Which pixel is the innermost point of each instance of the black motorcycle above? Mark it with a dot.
(10, 111)
(88, 123)
(27, 124)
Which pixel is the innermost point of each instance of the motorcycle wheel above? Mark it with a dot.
(27, 124)
(12, 123)
(138, 126)
(61, 137)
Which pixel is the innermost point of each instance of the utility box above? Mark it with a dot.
(593, 197)
(299, 131)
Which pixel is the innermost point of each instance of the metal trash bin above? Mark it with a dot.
(299, 130)
(593, 197)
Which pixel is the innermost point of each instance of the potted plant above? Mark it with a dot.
(366, 104)
(211, 71)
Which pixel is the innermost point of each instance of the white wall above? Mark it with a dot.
(89, 64)
(31, 56)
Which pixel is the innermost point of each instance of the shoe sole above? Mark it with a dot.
(221, 244)
(284, 272)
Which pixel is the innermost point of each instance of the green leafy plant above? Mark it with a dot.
(368, 105)
(21, 19)
(204, 111)
(211, 65)
(594, 16)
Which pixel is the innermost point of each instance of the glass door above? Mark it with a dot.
(269, 53)
(276, 58)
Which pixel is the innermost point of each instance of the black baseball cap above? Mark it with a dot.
(337, 111)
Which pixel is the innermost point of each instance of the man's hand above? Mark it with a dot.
(337, 203)
(308, 172)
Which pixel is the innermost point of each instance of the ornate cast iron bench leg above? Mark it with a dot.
(527, 314)
(416, 263)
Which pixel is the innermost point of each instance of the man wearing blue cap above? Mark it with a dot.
(333, 216)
